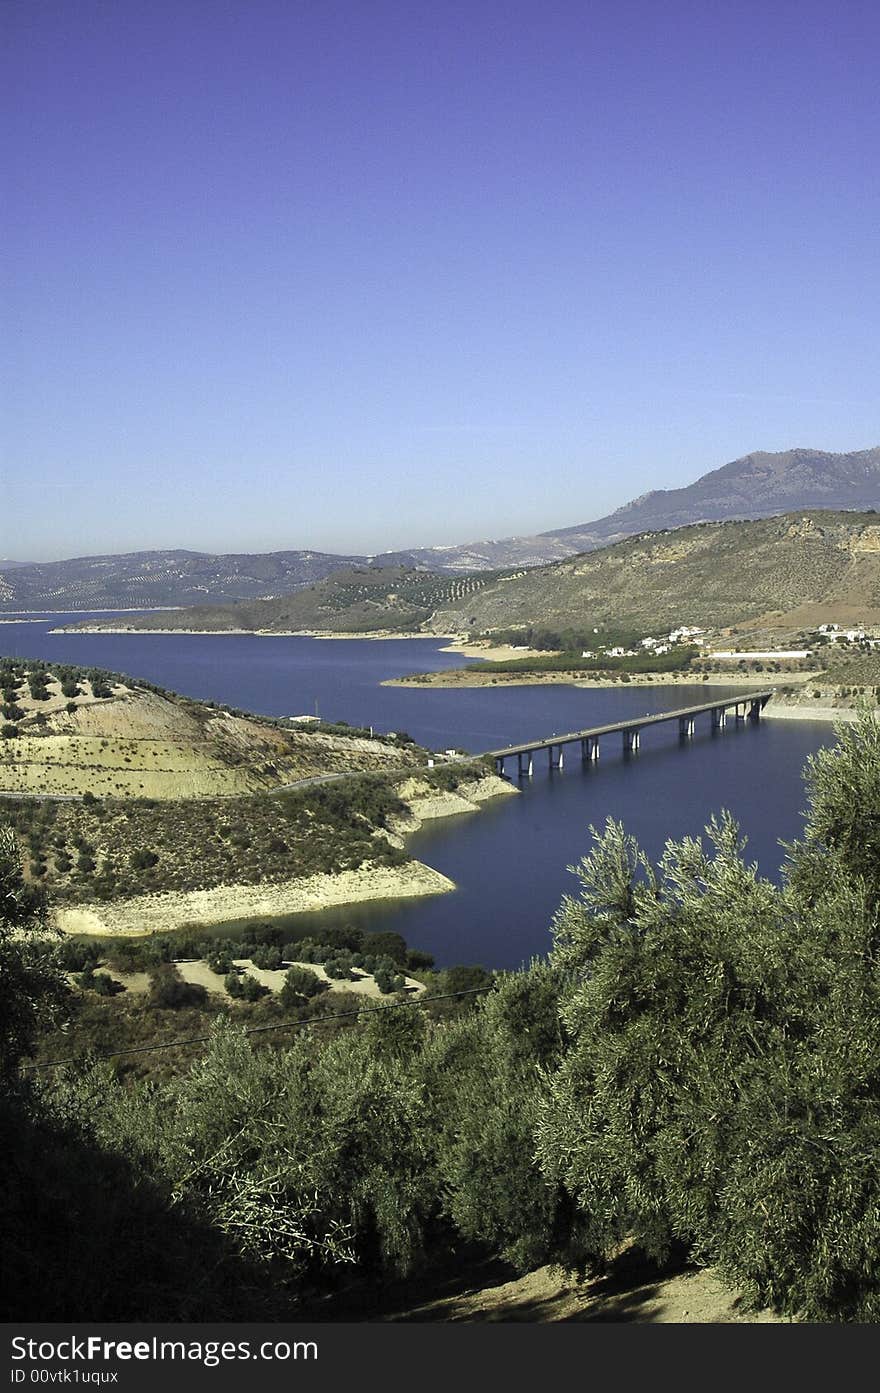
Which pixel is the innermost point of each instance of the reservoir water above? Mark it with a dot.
(509, 861)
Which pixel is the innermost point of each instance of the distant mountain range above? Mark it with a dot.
(759, 485)
(793, 571)
(159, 579)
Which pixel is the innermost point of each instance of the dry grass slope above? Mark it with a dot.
(783, 570)
(138, 744)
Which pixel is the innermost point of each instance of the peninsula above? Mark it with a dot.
(139, 809)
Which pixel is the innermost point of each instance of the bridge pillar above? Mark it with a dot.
(525, 769)
(739, 711)
(499, 766)
(685, 727)
(755, 710)
(590, 748)
(630, 741)
(554, 755)
(719, 717)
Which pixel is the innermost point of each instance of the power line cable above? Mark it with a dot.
(260, 1029)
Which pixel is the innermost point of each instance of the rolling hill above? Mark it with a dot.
(796, 570)
(156, 579)
(757, 485)
(139, 742)
(357, 600)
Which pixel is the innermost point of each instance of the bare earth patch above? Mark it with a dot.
(364, 984)
(547, 1295)
(426, 803)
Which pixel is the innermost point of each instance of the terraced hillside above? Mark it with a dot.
(356, 600)
(798, 570)
(164, 811)
(136, 742)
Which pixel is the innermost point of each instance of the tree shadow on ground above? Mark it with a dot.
(84, 1237)
(631, 1288)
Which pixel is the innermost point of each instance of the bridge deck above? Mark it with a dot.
(636, 723)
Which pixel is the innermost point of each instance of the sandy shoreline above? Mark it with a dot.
(379, 634)
(776, 710)
(163, 912)
(785, 712)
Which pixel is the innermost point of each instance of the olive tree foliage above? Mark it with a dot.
(722, 1082)
(667, 997)
(308, 1158)
(842, 834)
(32, 988)
(484, 1075)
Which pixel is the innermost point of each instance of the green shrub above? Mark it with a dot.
(300, 982)
(220, 960)
(416, 960)
(169, 991)
(143, 859)
(74, 956)
(266, 956)
(244, 987)
(464, 979)
(386, 944)
(100, 982)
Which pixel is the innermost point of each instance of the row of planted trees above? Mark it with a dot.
(696, 1067)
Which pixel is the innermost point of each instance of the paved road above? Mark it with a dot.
(634, 723)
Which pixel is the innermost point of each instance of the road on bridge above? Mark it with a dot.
(633, 723)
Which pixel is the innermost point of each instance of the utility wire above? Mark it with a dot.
(260, 1029)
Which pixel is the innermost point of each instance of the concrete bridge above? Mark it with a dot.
(743, 708)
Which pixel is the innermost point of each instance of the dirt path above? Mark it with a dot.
(546, 1295)
(480, 1289)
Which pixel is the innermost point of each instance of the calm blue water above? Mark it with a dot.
(509, 861)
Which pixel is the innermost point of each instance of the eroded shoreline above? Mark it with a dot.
(171, 910)
(167, 911)
(378, 634)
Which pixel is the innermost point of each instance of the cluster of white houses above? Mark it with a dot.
(689, 634)
(858, 635)
(684, 634)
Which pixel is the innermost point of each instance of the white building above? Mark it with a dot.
(754, 655)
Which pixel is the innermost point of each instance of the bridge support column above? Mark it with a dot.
(719, 717)
(554, 755)
(630, 741)
(685, 727)
(739, 711)
(755, 710)
(524, 761)
(590, 748)
(499, 766)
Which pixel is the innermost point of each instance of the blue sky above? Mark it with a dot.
(362, 274)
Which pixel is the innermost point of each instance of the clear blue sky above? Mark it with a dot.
(356, 274)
